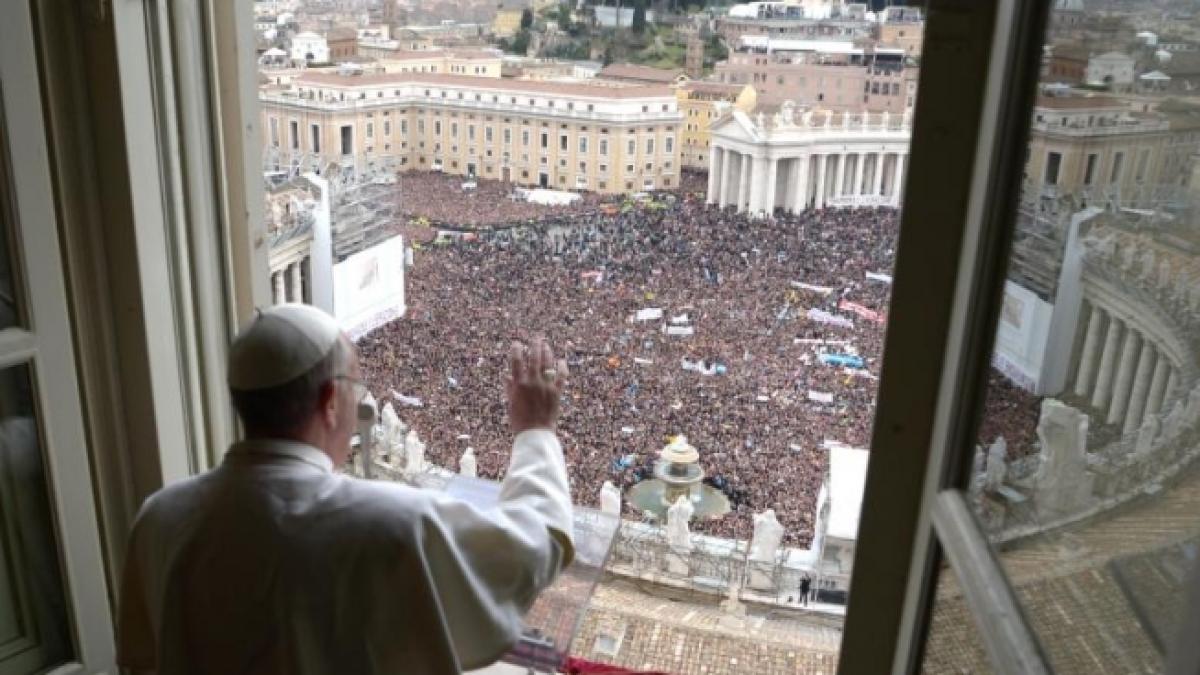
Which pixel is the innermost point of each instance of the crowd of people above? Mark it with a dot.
(759, 340)
(439, 199)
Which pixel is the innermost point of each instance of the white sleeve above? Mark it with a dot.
(487, 567)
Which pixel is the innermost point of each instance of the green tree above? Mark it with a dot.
(639, 17)
(564, 17)
(526, 19)
(520, 43)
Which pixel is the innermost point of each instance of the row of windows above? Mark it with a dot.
(583, 141)
(332, 95)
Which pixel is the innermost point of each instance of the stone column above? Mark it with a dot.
(280, 295)
(1158, 385)
(1172, 384)
(839, 183)
(1125, 368)
(714, 171)
(1087, 356)
(802, 189)
(723, 185)
(820, 203)
(758, 185)
(297, 283)
(772, 184)
(879, 175)
(743, 202)
(1104, 377)
(1141, 387)
(859, 161)
(897, 179)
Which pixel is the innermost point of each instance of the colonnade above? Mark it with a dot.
(287, 283)
(809, 179)
(1122, 372)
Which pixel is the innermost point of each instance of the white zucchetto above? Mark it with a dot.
(280, 344)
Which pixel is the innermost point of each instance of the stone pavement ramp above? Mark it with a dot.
(644, 627)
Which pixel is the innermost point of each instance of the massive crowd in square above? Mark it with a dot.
(768, 346)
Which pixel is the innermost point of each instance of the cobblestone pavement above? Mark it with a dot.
(650, 628)
(1070, 594)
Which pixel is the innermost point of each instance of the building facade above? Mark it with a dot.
(699, 104)
(1092, 150)
(796, 161)
(833, 75)
(608, 139)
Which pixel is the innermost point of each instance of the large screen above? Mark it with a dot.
(368, 288)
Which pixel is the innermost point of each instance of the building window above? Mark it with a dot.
(454, 129)
(632, 147)
(370, 130)
(545, 140)
(583, 167)
(487, 134)
(508, 136)
(294, 134)
(603, 147)
(1053, 160)
(437, 127)
(583, 144)
(1089, 173)
(315, 136)
(525, 137)
(470, 132)
(649, 146)
(669, 145)
(562, 142)
(1118, 160)
(274, 124)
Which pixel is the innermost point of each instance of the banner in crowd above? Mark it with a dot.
(823, 290)
(876, 276)
(821, 316)
(820, 396)
(845, 360)
(648, 314)
(862, 310)
(683, 331)
(680, 320)
(411, 401)
(368, 288)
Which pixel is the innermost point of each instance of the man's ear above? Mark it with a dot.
(327, 403)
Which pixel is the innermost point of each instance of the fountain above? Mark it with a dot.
(678, 474)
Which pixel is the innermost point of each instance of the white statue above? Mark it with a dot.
(414, 452)
(828, 118)
(678, 535)
(760, 120)
(393, 431)
(610, 499)
(996, 468)
(1173, 423)
(866, 119)
(1063, 480)
(806, 118)
(906, 119)
(884, 119)
(1147, 434)
(787, 112)
(768, 534)
(846, 121)
(466, 463)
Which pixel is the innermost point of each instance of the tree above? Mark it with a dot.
(564, 17)
(639, 17)
(526, 19)
(520, 43)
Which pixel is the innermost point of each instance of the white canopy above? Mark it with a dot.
(274, 51)
(1155, 76)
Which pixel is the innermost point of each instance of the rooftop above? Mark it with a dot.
(847, 477)
(633, 71)
(491, 83)
(1078, 102)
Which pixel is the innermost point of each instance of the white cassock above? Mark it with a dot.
(273, 563)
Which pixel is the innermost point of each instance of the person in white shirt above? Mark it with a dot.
(274, 563)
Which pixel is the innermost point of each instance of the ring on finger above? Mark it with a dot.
(549, 374)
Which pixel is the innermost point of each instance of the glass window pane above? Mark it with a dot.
(35, 631)
(10, 300)
(1083, 475)
(953, 644)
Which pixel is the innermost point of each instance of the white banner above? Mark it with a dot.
(648, 314)
(683, 331)
(820, 396)
(823, 290)
(821, 316)
(368, 288)
(876, 276)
